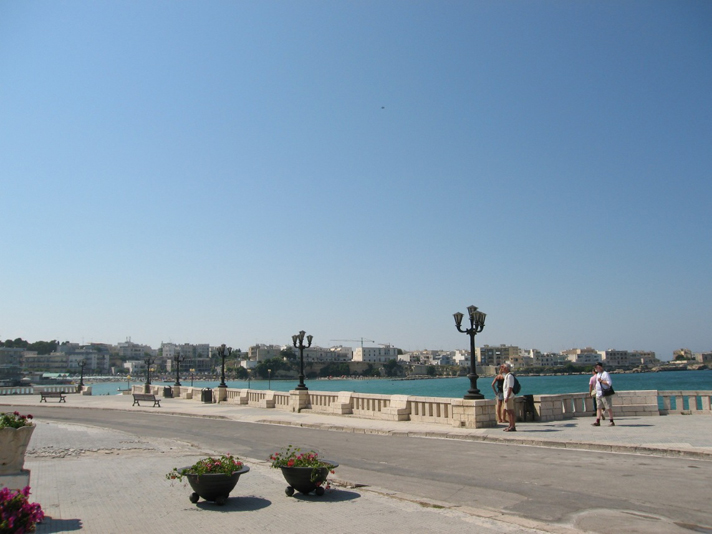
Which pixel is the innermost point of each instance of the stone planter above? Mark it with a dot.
(306, 479)
(13, 445)
(214, 486)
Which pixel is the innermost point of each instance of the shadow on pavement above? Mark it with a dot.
(236, 504)
(49, 525)
(334, 495)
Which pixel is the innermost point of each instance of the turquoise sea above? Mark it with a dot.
(457, 387)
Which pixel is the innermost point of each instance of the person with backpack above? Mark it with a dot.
(510, 382)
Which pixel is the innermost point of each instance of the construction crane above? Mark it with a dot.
(355, 340)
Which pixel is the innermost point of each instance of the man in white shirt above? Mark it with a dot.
(508, 390)
(603, 383)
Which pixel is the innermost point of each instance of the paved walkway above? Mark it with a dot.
(672, 435)
(104, 481)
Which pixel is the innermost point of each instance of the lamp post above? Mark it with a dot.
(192, 374)
(82, 363)
(300, 339)
(477, 324)
(269, 378)
(149, 362)
(222, 349)
(177, 358)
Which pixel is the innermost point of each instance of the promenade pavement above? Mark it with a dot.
(104, 481)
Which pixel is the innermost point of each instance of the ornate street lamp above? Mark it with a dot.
(177, 358)
(477, 323)
(82, 363)
(299, 338)
(149, 362)
(269, 379)
(221, 352)
(192, 374)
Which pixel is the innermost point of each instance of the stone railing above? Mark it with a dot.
(685, 402)
(36, 390)
(17, 390)
(440, 410)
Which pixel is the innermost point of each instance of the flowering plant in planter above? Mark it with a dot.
(15, 420)
(294, 457)
(17, 515)
(226, 464)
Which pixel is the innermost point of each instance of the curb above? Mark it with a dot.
(694, 454)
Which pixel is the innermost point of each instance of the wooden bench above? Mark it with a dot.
(53, 395)
(146, 397)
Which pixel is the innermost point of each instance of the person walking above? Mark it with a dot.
(592, 389)
(497, 387)
(603, 398)
(508, 389)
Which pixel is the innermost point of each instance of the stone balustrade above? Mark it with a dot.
(685, 402)
(36, 390)
(447, 411)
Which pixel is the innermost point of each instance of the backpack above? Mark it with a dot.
(517, 387)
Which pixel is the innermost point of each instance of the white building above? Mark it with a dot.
(128, 350)
(332, 354)
(380, 354)
(259, 353)
(587, 356)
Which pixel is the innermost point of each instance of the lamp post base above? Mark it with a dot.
(301, 387)
(473, 393)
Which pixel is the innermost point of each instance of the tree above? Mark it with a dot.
(335, 369)
(289, 354)
(392, 368)
(241, 373)
(276, 364)
(431, 370)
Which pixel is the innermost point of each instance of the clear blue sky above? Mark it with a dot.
(234, 172)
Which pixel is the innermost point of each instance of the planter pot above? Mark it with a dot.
(214, 486)
(13, 445)
(306, 479)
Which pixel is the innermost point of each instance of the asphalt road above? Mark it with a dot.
(550, 485)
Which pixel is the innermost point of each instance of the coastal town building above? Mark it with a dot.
(548, 359)
(429, 357)
(128, 350)
(496, 356)
(703, 357)
(332, 354)
(10, 365)
(586, 356)
(682, 354)
(259, 353)
(380, 354)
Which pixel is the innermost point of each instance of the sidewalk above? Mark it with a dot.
(105, 481)
(109, 482)
(672, 435)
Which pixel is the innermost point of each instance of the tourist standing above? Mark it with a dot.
(603, 383)
(508, 389)
(497, 387)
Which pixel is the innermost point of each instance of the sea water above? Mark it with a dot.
(455, 387)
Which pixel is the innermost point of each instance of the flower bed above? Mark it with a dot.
(17, 514)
